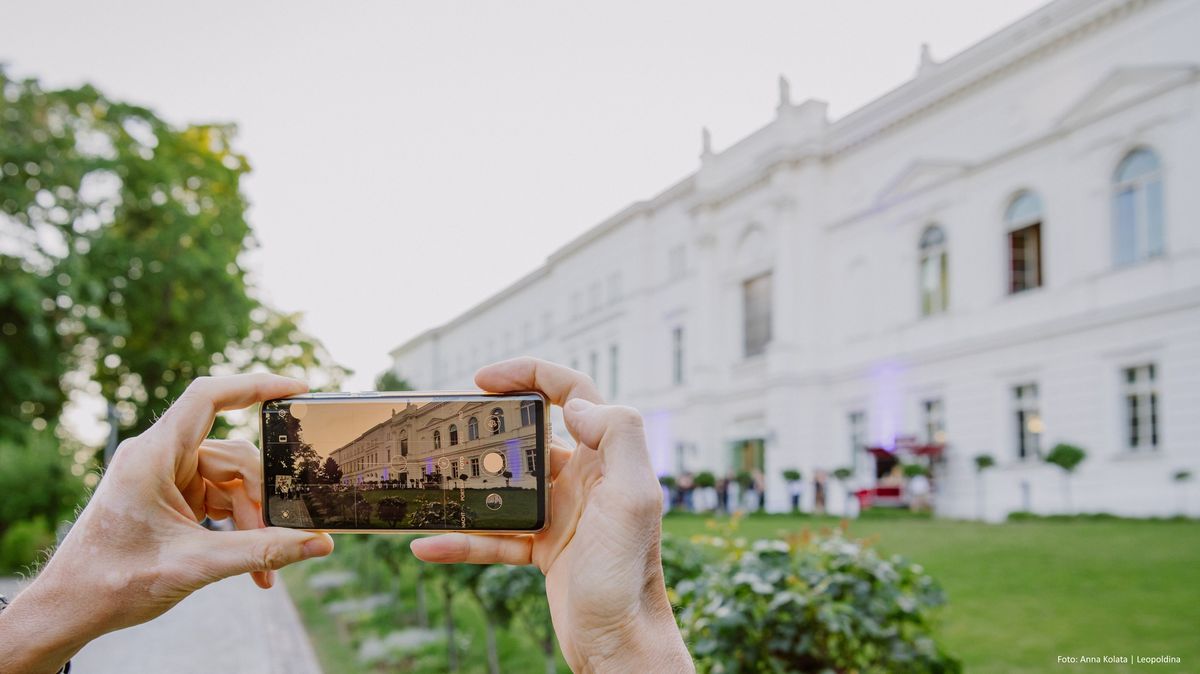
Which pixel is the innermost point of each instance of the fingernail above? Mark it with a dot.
(315, 547)
(579, 405)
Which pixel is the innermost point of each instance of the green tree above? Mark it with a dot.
(982, 463)
(388, 380)
(331, 472)
(1067, 457)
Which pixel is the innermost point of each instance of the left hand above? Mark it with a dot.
(138, 548)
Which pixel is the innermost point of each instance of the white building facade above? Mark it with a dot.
(1000, 255)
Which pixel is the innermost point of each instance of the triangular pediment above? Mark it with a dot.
(919, 175)
(1125, 86)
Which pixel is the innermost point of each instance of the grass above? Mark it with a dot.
(1020, 593)
(1023, 593)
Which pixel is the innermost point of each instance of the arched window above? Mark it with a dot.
(472, 429)
(403, 444)
(935, 271)
(437, 439)
(1023, 219)
(1137, 208)
(496, 421)
(453, 435)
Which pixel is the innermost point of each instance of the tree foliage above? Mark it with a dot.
(122, 272)
(1067, 457)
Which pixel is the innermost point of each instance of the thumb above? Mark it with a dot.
(618, 434)
(229, 553)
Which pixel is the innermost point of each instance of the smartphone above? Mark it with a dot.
(412, 461)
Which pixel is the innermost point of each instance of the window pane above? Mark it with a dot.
(1125, 228)
(1137, 164)
(756, 309)
(1154, 218)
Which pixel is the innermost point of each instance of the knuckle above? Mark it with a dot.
(270, 557)
(627, 416)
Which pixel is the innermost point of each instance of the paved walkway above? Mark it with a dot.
(230, 626)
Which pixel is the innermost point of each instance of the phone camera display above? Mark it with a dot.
(409, 463)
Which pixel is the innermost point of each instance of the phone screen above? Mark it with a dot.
(470, 462)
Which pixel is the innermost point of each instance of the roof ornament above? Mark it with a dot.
(705, 142)
(785, 92)
(926, 62)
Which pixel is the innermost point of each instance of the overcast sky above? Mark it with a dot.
(463, 142)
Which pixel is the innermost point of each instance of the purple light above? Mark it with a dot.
(512, 453)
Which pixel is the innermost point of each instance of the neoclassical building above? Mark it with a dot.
(436, 444)
(999, 255)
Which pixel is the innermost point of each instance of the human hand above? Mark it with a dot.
(600, 554)
(138, 549)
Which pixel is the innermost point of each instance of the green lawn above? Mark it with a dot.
(1022, 593)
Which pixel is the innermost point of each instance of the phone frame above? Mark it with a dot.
(544, 432)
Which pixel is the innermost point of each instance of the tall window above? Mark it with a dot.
(614, 365)
(528, 413)
(1137, 208)
(530, 460)
(677, 355)
(933, 412)
(756, 315)
(474, 466)
(676, 262)
(935, 271)
(472, 428)
(496, 421)
(453, 434)
(1024, 221)
(856, 423)
(614, 288)
(404, 444)
(1141, 407)
(1028, 416)
(437, 439)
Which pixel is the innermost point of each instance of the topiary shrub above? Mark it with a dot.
(816, 604)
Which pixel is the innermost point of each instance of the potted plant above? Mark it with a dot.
(792, 477)
(1067, 457)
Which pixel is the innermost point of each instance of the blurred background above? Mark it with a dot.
(919, 277)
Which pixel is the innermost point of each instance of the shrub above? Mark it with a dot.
(791, 475)
(1067, 457)
(984, 461)
(705, 479)
(824, 604)
(22, 543)
(435, 515)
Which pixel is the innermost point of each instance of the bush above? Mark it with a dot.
(705, 479)
(37, 490)
(1067, 457)
(22, 543)
(791, 475)
(824, 604)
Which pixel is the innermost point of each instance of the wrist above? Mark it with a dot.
(42, 628)
(648, 645)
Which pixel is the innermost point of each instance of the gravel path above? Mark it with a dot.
(230, 626)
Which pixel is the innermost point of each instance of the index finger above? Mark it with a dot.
(186, 423)
(559, 383)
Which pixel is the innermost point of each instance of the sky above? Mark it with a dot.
(463, 142)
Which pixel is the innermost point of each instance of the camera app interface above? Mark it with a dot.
(404, 463)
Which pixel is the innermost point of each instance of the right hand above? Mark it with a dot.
(600, 554)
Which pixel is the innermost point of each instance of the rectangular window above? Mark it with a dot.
(677, 355)
(1141, 407)
(676, 262)
(1025, 258)
(1028, 417)
(756, 315)
(530, 461)
(856, 423)
(474, 466)
(614, 288)
(614, 364)
(934, 416)
(528, 414)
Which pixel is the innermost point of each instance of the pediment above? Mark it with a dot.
(919, 175)
(1125, 86)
